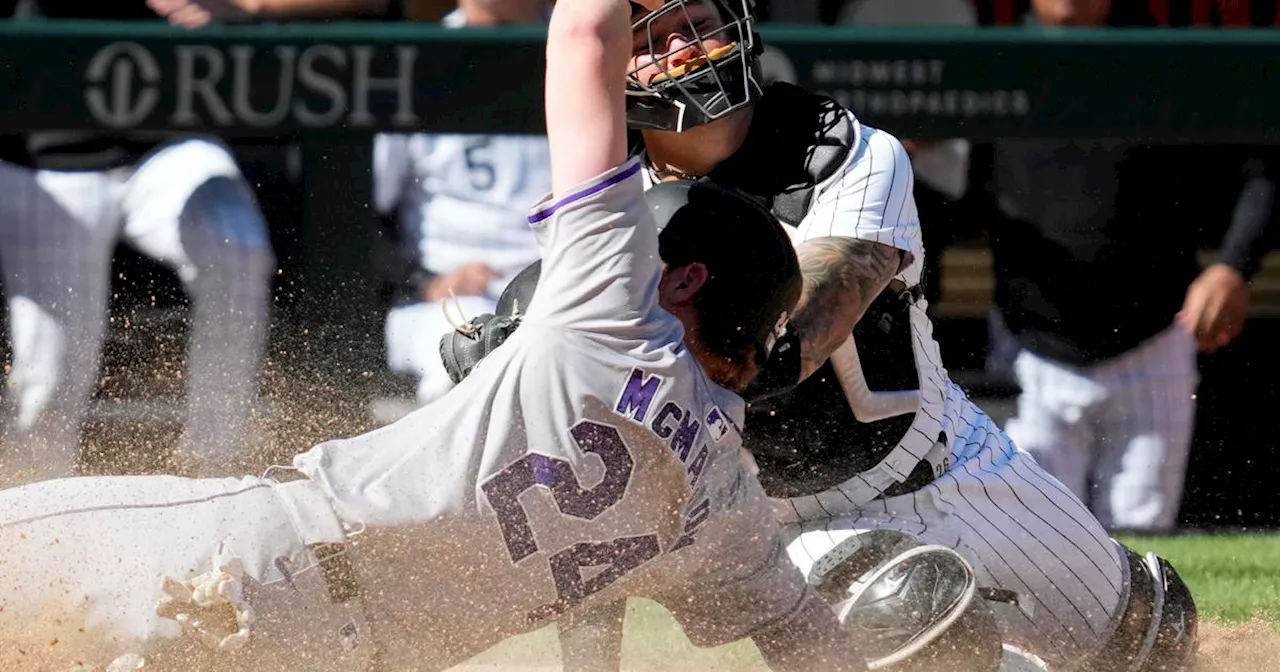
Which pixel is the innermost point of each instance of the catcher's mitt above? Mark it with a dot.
(464, 347)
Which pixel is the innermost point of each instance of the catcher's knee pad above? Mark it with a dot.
(1156, 630)
(910, 606)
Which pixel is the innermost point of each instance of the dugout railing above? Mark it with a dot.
(313, 95)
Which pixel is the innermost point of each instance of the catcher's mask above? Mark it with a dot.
(708, 81)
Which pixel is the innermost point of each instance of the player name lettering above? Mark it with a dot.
(201, 85)
(680, 427)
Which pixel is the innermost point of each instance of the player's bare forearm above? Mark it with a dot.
(588, 45)
(842, 276)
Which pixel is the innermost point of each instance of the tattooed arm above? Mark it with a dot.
(842, 276)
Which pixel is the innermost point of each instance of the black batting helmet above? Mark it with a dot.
(754, 277)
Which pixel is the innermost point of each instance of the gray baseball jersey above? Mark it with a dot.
(589, 458)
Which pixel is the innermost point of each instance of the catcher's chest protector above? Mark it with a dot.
(798, 141)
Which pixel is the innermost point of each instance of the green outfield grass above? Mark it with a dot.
(1234, 578)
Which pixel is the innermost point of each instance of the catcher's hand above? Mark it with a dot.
(464, 347)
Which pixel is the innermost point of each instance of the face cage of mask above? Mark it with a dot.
(704, 88)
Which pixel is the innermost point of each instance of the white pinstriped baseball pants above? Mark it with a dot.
(1018, 527)
(185, 205)
(1118, 434)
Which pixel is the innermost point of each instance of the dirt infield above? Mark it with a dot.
(1249, 647)
(300, 410)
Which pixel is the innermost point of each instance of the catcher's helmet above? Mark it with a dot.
(707, 87)
(754, 279)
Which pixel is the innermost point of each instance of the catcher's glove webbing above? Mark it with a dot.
(464, 347)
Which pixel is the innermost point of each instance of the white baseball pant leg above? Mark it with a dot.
(1118, 434)
(188, 207)
(413, 333)
(1020, 529)
(57, 235)
(85, 563)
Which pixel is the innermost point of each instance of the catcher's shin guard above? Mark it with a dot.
(911, 606)
(1156, 630)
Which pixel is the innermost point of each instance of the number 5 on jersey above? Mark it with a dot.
(620, 555)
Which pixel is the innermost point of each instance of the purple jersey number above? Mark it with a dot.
(619, 556)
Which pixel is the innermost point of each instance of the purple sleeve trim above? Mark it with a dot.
(539, 215)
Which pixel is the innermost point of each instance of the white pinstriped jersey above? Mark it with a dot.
(591, 438)
(870, 198)
(463, 197)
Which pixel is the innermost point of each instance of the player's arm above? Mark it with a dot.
(591, 641)
(809, 639)
(1217, 302)
(857, 236)
(842, 276)
(588, 46)
(599, 244)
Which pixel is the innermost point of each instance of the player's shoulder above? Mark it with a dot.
(797, 141)
(878, 160)
(875, 142)
(622, 182)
